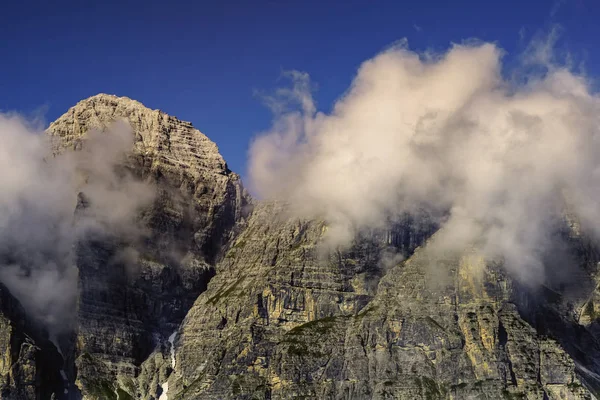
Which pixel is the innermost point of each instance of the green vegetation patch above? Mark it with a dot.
(321, 326)
(101, 390)
(589, 310)
(513, 396)
(305, 340)
(435, 323)
(365, 311)
(224, 293)
(123, 395)
(240, 244)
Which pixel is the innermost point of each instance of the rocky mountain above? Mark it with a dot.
(122, 315)
(231, 298)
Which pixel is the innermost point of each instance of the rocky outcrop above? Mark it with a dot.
(199, 198)
(128, 305)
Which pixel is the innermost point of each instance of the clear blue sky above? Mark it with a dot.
(202, 61)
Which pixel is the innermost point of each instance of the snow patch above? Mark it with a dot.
(172, 342)
(165, 386)
(165, 389)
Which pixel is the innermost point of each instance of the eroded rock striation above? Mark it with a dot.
(435, 326)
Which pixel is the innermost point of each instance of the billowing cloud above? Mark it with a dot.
(444, 132)
(38, 228)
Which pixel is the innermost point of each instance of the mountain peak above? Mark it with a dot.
(158, 135)
(116, 101)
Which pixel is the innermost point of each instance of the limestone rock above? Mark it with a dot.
(126, 308)
(410, 337)
(199, 198)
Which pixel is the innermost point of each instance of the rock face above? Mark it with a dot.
(200, 199)
(233, 299)
(282, 325)
(126, 307)
(30, 365)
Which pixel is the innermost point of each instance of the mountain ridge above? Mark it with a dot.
(241, 295)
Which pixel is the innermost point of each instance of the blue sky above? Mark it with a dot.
(204, 61)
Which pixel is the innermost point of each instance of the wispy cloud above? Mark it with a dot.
(556, 7)
(38, 229)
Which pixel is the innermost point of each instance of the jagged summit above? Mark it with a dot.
(107, 97)
(121, 102)
(178, 158)
(157, 135)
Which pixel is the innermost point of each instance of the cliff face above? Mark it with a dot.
(126, 307)
(229, 300)
(435, 326)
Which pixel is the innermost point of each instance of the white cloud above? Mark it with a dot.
(38, 229)
(447, 132)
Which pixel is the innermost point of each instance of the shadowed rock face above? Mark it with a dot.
(261, 310)
(30, 365)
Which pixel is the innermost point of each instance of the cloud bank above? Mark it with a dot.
(447, 133)
(38, 228)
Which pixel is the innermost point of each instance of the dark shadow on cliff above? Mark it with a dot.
(557, 307)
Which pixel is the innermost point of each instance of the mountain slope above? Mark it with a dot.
(230, 298)
(434, 326)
